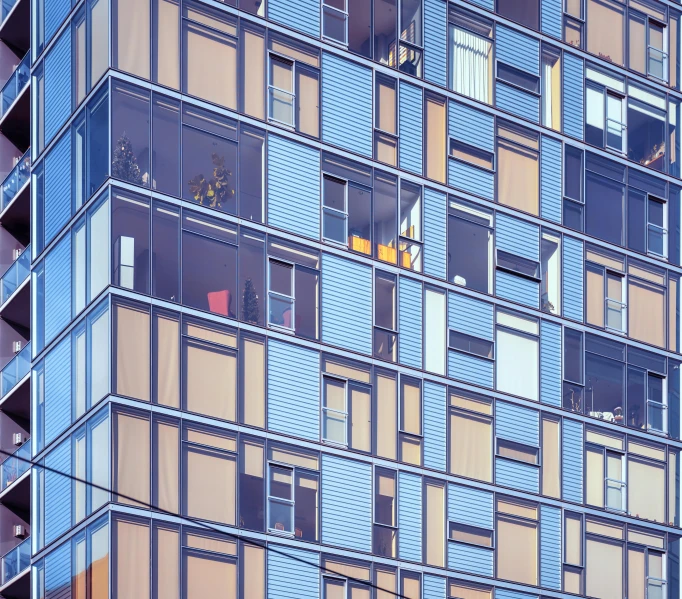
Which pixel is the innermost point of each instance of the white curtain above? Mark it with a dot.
(471, 64)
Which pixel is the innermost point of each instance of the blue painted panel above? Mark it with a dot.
(58, 390)
(573, 279)
(550, 179)
(55, 13)
(435, 419)
(411, 105)
(434, 586)
(517, 236)
(517, 475)
(472, 126)
(517, 423)
(471, 179)
(293, 401)
(346, 503)
(467, 505)
(57, 85)
(489, 4)
(346, 109)
(57, 288)
(435, 233)
(286, 564)
(550, 547)
(517, 49)
(550, 363)
(435, 42)
(573, 95)
(410, 516)
(572, 462)
(470, 316)
(57, 491)
(518, 102)
(471, 559)
(293, 187)
(302, 15)
(470, 369)
(410, 322)
(347, 304)
(58, 573)
(501, 593)
(551, 17)
(57, 195)
(517, 289)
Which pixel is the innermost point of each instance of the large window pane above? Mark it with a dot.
(99, 39)
(604, 563)
(166, 50)
(385, 216)
(251, 174)
(435, 138)
(434, 331)
(517, 550)
(131, 38)
(471, 56)
(165, 145)
(132, 352)
(518, 170)
(551, 455)
(646, 484)
(251, 485)
(130, 112)
(166, 565)
(646, 304)
(252, 392)
(386, 32)
(167, 465)
(211, 480)
(470, 249)
(387, 416)
(470, 445)
(605, 30)
(604, 210)
(132, 559)
(526, 12)
(132, 458)
(130, 236)
(517, 353)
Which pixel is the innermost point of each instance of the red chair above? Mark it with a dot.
(219, 302)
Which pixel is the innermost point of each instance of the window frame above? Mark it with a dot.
(621, 483)
(334, 211)
(404, 435)
(276, 56)
(508, 256)
(392, 335)
(375, 493)
(328, 8)
(621, 96)
(292, 298)
(511, 70)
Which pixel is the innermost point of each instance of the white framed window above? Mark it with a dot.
(335, 209)
(281, 90)
(281, 304)
(517, 350)
(335, 21)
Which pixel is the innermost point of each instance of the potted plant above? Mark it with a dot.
(216, 191)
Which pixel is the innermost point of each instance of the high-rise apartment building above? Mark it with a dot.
(340, 299)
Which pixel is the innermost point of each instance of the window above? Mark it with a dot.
(526, 12)
(385, 28)
(550, 272)
(646, 118)
(166, 251)
(411, 250)
(132, 454)
(385, 119)
(411, 38)
(573, 388)
(251, 483)
(604, 199)
(606, 291)
(470, 436)
(251, 173)
(410, 585)
(647, 478)
(209, 564)
(472, 345)
(252, 66)
(574, 23)
(517, 351)
(646, 294)
(385, 216)
(648, 40)
(551, 457)
(410, 421)
(517, 541)
(573, 553)
(385, 578)
(131, 352)
(385, 512)
(335, 20)
(335, 583)
(251, 275)
(647, 574)
(517, 265)
(468, 590)
(551, 87)
(436, 138)
(90, 143)
(604, 379)
(346, 413)
(98, 20)
(130, 235)
(166, 464)
(647, 229)
(604, 559)
(434, 523)
(252, 380)
(385, 415)
(605, 474)
(385, 316)
(518, 78)
(435, 329)
(518, 451)
(470, 246)
(647, 391)
(166, 43)
(132, 20)
(130, 564)
(518, 169)
(606, 15)
(165, 145)
(574, 202)
(334, 209)
(605, 117)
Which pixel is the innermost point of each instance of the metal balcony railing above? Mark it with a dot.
(7, 6)
(15, 275)
(15, 465)
(15, 370)
(17, 560)
(16, 179)
(16, 83)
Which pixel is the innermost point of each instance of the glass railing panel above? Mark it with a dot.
(15, 275)
(15, 370)
(7, 6)
(17, 560)
(16, 179)
(15, 465)
(16, 83)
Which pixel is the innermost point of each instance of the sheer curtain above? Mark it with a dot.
(471, 63)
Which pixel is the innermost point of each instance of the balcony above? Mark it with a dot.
(15, 105)
(15, 292)
(15, 465)
(15, 23)
(15, 568)
(15, 388)
(15, 205)
(15, 84)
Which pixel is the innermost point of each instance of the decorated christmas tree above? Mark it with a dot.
(250, 310)
(124, 164)
(216, 191)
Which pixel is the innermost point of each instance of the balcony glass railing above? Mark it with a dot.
(17, 368)
(16, 561)
(15, 465)
(16, 179)
(15, 84)
(15, 275)
(7, 6)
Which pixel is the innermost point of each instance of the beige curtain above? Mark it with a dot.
(595, 478)
(132, 458)
(517, 547)
(167, 361)
(637, 44)
(132, 46)
(99, 52)
(518, 176)
(79, 585)
(435, 524)
(253, 571)
(672, 485)
(386, 107)
(308, 103)
(207, 577)
(595, 297)
(254, 74)
(672, 60)
(133, 357)
(334, 588)
(411, 587)
(167, 474)
(647, 313)
(646, 483)
(471, 446)
(253, 384)
(574, 543)
(387, 417)
(80, 66)
(132, 559)
(604, 570)
(167, 563)
(435, 139)
(636, 574)
(551, 478)
(411, 409)
(605, 33)
(211, 381)
(672, 314)
(211, 483)
(469, 591)
(361, 419)
(168, 48)
(385, 580)
(99, 566)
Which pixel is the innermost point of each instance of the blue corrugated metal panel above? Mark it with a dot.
(501, 593)
(58, 389)
(551, 17)
(550, 363)
(346, 109)
(489, 4)
(470, 369)
(346, 503)
(472, 126)
(287, 564)
(573, 95)
(550, 547)
(471, 179)
(517, 475)
(517, 236)
(410, 516)
(471, 559)
(573, 278)
(57, 210)
(572, 463)
(550, 179)
(467, 505)
(516, 49)
(410, 128)
(517, 289)
(57, 85)
(347, 304)
(293, 187)
(57, 491)
(293, 401)
(58, 573)
(410, 322)
(58, 288)
(518, 102)
(435, 418)
(517, 423)
(435, 41)
(470, 316)
(55, 13)
(434, 586)
(435, 233)
(302, 15)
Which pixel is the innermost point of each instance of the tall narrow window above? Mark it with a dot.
(410, 421)
(551, 87)
(335, 20)
(518, 163)
(435, 329)
(435, 147)
(470, 246)
(470, 439)
(385, 512)
(386, 415)
(253, 70)
(132, 351)
(517, 541)
(386, 32)
(131, 41)
(410, 247)
(385, 119)
(251, 484)
(434, 523)
(385, 217)
(166, 46)
(551, 457)
(252, 380)
(573, 207)
(133, 555)
(550, 292)
(573, 553)
(517, 351)
(385, 317)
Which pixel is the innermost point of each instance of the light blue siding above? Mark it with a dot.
(501, 593)
(517, 475)
(572, 463)
(551, 17)
(434, 586)
(573, 279)
(435, 419)
(346, 503)
(57, 491)
(293, 187)
(471, 179)
(517, 289)
(467, 505)
(573, 95)
(410, 322)
(410, 516)
(518, 102)
(550, 547)
(550, 363)
(472, 126)
(57, 209)
(55, 13)
(488, 4)
(470, 559)
(518, 50)
(57, 288)
(346, 109)
(302, 15)
(58, 389)
(410, 128)
(435, 232)
(347, 304)
(470, 369)
(286, 564)
(293, 401)
(435, 41)
(58, 573)
(550, 179)
(57, 85)
(470, 316)
(517, 237)
(517, 423)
